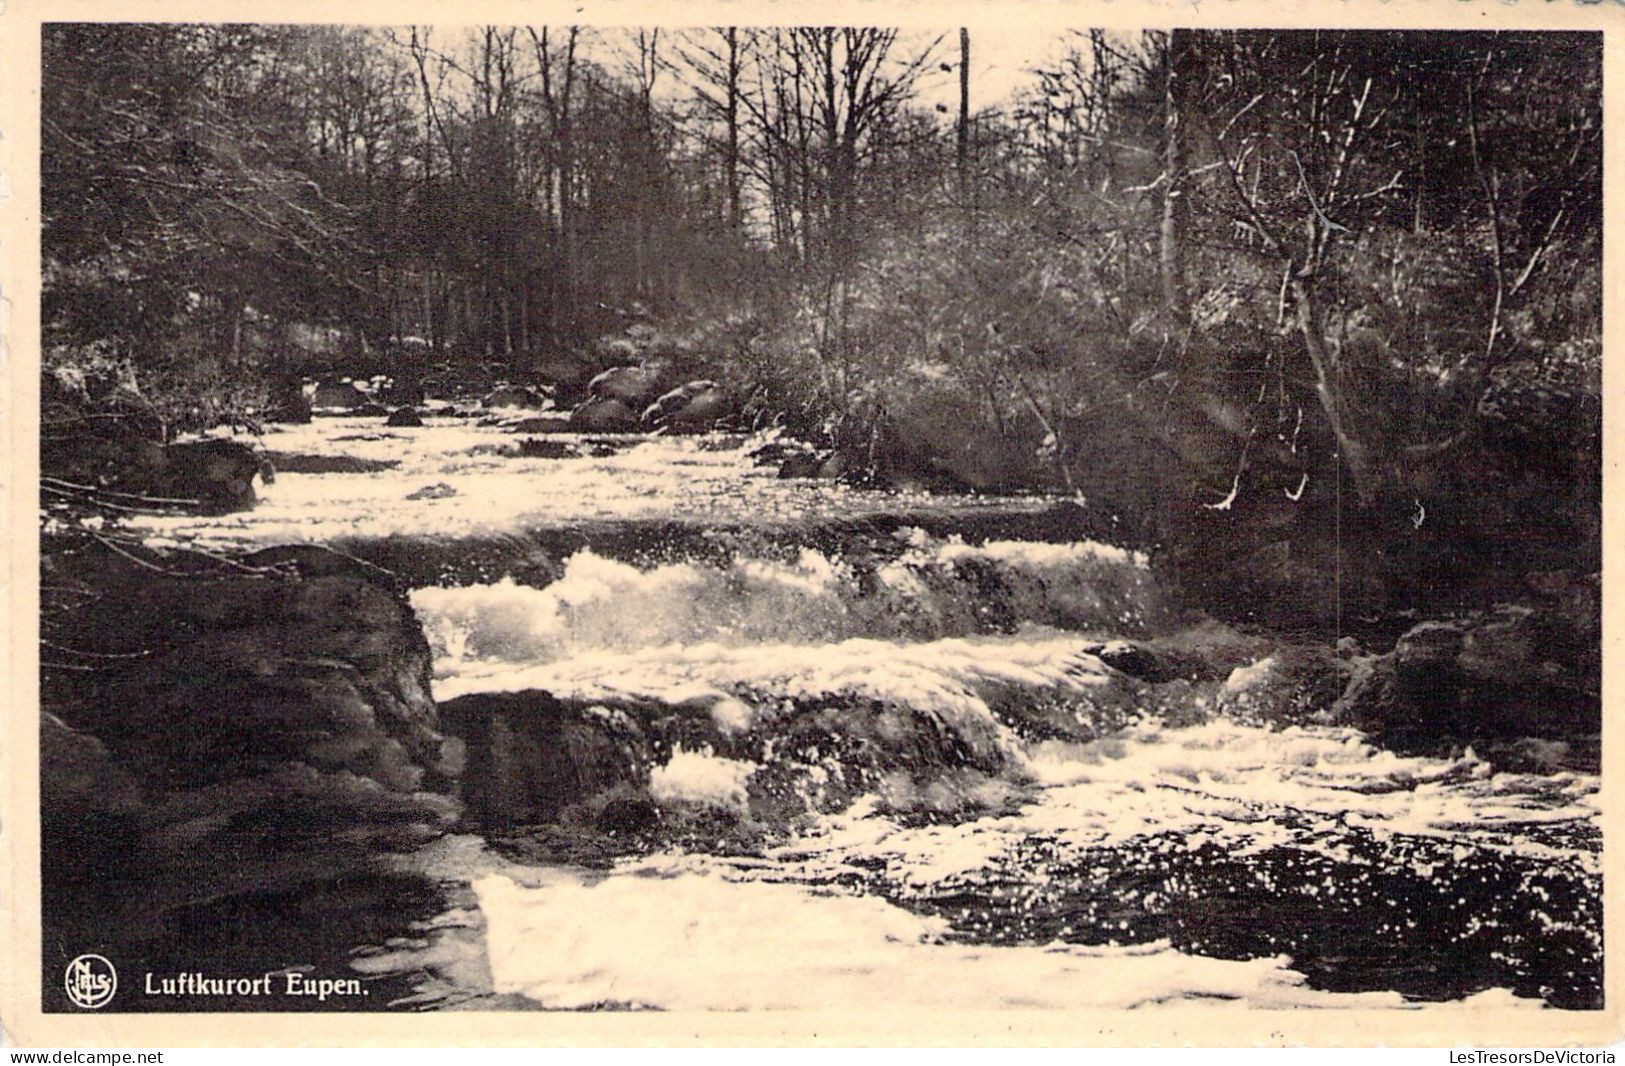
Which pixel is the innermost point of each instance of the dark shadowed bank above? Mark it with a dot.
(1313, 319)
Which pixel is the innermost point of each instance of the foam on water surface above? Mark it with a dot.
(704, 480)
(697, 777)
(941, 675)
(686, 940)
(691, 932)
(933, 589)
(1249, 787)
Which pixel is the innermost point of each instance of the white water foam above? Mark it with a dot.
(696, 932)
(942, 675)
(603, 604)
(702, 778)
(1251, 787)
(671, 938)
(1247, 788)
(703, 480)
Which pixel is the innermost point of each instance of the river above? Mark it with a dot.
(905, 770)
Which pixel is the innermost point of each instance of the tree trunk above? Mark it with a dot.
(735, 216)
(1175, 91)
(962, 145)
(1353, 454)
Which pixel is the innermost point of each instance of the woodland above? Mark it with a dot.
(1283, 308)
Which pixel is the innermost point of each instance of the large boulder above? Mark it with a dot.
(604, 415)
(219, 474)
(338, 396)
(514, 396)
(1294, 684)
(549, 423)
(251, 730)
(404, 418)
(689, 408)
(568, 373)
(533, 758)
(299, 655)
(635, 386)
(1511, 671)
(213, 476)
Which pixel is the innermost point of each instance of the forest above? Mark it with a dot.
(1283, 308)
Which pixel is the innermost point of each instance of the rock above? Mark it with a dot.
(689, 408)
(634, 386)
(1512, 671)
(834, 467)
(338, 396)
(1294, 685)
(438, 491)
(217, 473)
(806, 464)
(1138, 661)
(231, 676)
(1532, 402)
(603, 415)
(301, 463)
(531, 756)
(91, 814)
(404, 417)
(121, 463)
(211, 476)
(722, 442)
(290, 405)
(122, 449)
(250, 730)
(775, 452)
(628, 815)
(513, 396)
(797, 459)
(545, 424)
(405, 393)
(939, 440)
(534, 758)
(1429, 646)
(613, 348)
(538, 448)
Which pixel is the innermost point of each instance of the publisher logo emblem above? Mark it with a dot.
(91, 981)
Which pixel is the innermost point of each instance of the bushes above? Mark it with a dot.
(89, 390)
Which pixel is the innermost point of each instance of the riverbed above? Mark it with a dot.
(1091, 846)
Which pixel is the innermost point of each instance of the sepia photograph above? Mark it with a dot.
(782, 517)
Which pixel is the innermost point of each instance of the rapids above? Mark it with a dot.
(903, 762)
